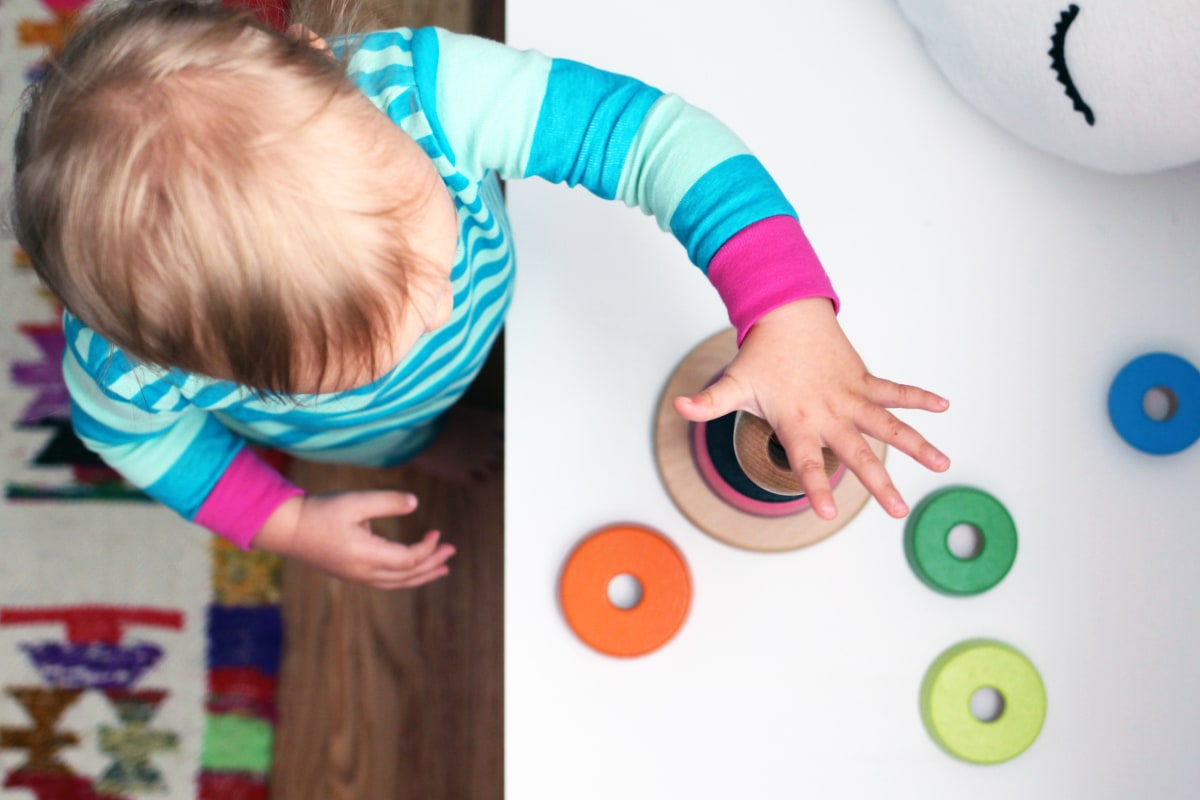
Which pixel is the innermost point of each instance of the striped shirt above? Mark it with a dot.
(181, 436)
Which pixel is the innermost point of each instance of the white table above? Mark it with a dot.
(967, 262)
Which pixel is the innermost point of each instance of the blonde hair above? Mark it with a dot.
(203, 192)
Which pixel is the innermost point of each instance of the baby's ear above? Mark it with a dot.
(302, 33)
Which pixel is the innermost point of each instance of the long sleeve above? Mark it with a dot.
(523, 114)
(178, 453)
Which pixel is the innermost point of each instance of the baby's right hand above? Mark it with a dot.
(333, 533)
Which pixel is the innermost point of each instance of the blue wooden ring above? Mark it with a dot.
(1164, 371)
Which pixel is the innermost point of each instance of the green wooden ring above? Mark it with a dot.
(966, 668)
(926, 541)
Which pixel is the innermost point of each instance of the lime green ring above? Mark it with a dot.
(966, 668)
(927, 533)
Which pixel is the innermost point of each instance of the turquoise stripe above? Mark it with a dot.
(422, 381)
(186, 485)
(586, 125)
(216, 393)
(492, 303)
(407, 427)
(730, 196)
(402, 108)
(382, 40)
(425, 60)
(103, 357)
(375, 83)
(430, 378)
(153, 392)
(484, 243)
(107, 365)
(474, 206)
(456, 183)
(88, 427)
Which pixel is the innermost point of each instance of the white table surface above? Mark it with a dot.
(967, 262)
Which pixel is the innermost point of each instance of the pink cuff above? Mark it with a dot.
(766, 265)
(244, 497)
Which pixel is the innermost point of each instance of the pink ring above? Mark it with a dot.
(735, 498)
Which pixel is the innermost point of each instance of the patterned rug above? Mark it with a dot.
(137, 657)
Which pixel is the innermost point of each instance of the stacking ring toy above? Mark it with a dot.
(654, 562)
(927, 545)
(726, 505)
(1169, 373)
(762, 459)
(966, 668)
(720, 457)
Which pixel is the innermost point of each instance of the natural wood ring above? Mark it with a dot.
(762, 458)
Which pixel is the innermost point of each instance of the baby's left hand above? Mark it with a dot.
(797, 370)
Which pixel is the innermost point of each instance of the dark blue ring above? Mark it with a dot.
(718, 438)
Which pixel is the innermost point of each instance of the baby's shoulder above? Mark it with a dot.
(122, 377)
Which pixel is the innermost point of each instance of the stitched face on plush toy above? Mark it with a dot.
(1111, 84)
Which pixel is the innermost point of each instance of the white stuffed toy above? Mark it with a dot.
(1110, 84)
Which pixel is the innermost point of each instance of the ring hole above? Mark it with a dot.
(1160, 403)
(965, 541)
(777, 455)
(625, 592)
(987, 704)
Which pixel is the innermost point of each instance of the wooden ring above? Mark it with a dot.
(763, 459)
(684, 482)
(659, 568)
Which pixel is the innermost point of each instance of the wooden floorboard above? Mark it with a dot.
(397, 694)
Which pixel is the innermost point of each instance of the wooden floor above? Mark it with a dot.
(397, 694)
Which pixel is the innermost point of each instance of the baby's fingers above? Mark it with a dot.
(427, 569)
(397, 566)
(806, 460)
(889, 429)
(723, 397)
(890, 394)
(391, 557)
(859, 458)
(410, 581)
(375, 504)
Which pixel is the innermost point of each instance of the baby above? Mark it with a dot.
(260, 237)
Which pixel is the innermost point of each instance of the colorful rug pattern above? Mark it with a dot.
(138, 657)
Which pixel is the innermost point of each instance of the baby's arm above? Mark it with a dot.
(253, 505)
(182, 456)
(620, 139)
(796, 368)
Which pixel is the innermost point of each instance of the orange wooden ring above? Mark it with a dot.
(654, 562)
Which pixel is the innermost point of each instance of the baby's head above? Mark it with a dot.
(212, 195)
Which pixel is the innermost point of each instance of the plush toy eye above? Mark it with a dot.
(1058, 61)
